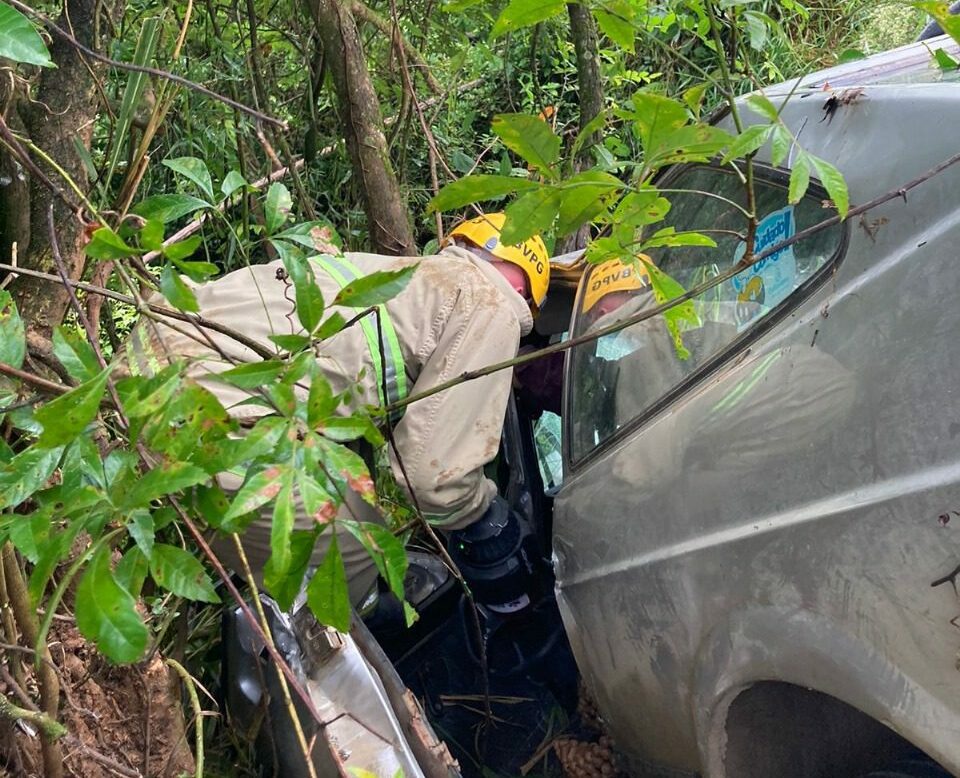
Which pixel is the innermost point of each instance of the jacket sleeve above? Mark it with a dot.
(445, 440)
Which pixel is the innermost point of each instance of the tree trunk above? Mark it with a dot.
(590, 88)
(383, 201)
(63, 112)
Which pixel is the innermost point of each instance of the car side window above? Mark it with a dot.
(624, 375)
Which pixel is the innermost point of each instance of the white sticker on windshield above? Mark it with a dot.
(768, 282)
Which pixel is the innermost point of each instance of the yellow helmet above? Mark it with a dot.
(615, 276)
(530, 256)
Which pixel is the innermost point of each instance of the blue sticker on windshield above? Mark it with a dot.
(768, 282)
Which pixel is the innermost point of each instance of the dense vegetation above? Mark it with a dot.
(295, 128)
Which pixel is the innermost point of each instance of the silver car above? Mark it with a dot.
(757, 547)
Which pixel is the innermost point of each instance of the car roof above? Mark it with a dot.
(914, 63)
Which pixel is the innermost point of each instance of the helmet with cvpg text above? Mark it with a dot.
(530, 255)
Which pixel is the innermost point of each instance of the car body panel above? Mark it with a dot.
(795, 537)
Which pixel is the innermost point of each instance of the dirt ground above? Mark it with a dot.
(122, 721)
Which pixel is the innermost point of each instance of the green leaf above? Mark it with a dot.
(181, 573)
(346, 428)
(132, 571)
(253, 374)
(748, 142)
(376, 288)
(668, 236)
(291, 343)
(178, 294)
(198, 272)
(19, 41)
(284, 588)
(13, 345)
(348, 468)
(327, 595)
(146, 397)
(655, 117)
(757, 29)
(282, 525)
(586, 134)
(169, 207)
(833, 181)
(151, 235)
(940, 11)
(75, 354)
(945, 61)
(780, 144)
(262, 439)
(333, 324)
(142, 531)
(616, 28)
(799, 178)
(318, 503)
(525, 13)
(682, 316)
(385, 549)
(195, 170)
(232, 183)
(182, 249)
(65, 418)
(530, 137)
(585, 195)
(850, 55)
(259, 489)
(106, 613)
(531, 214)
(27, 472)
(475, 189)
(319, 236)
(166, 479)
(761, 105)
(106, 244)
(693, 97)
(309, 302)
(277, 207)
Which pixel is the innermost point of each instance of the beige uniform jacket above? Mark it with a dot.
(457, 314)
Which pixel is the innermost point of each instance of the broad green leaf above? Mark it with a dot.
(106, 613)
(75, 354)
(655, 117)
(940, 11)
(19, 40)
(52, 554)
(585, 135)
(799, 178)
(525, 13)
(780, 144)
(638, 209)
(29, 534)
(176, 252)
(584, 196)
(65, 418)
(169, 207)
(945, 61)
(346, 428)
(318, 503)
(833, 181)
(27, 472)
(616, 28)
(232, 183)
(291, 343)
(198, 272)
(13, 345)
(281, 527)
(757, 25)
(690, 143)
(262, 439)
(259, 489)
(106, 244)
(307, 295)
(277, 207)
(850, 55)
(178, 294)
(682, 316)
(385, 549)
(530, 137)
(376, 288)
(318, 236)
(142, 531)
(693, 97)
(166, 479)
(252, 374)
(475, 189)
(181, 573)
(761, 105)
(348, 468)
(532, 214)
(331, 326)
(151, 235)
(668, 236)
(748, 142)
(146, 397)
(284, 588)
(132, 570)
(195, 170)
(327, 595)
(321, 401)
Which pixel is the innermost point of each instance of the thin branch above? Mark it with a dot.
(156, 73)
